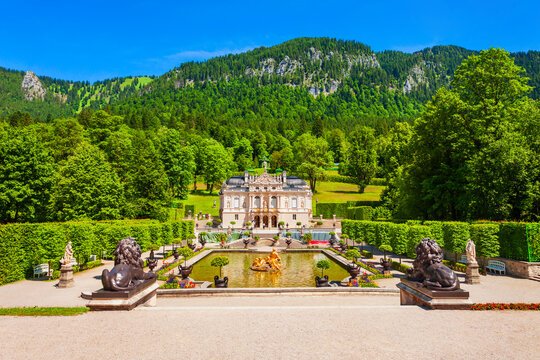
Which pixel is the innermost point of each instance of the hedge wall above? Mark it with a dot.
(533, 235)
(329, 209)
(513, 241)
(518, 241)
(22, 246)
(360, 213)
(348, 210)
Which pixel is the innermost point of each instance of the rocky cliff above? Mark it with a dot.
(32, 88)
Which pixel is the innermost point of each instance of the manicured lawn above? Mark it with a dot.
(343, 192)
(43, 311)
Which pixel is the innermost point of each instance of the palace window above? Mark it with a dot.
(294, 204)
(273, 202)
(294, 216)
(257, 202)
(236, 202)
(236, 217)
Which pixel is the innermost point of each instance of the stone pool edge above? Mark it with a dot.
(273, 291)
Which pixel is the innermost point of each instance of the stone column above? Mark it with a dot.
(472, 275)
(66, 276)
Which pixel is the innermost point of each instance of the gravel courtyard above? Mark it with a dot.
(276, 327)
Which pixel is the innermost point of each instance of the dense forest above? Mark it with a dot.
(454, 132)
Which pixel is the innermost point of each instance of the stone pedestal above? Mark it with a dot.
(472, 275)
(144, 294)
(413, 293)
(66, 276)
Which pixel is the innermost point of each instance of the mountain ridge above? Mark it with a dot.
(322, 66)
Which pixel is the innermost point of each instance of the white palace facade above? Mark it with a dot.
(265, 201)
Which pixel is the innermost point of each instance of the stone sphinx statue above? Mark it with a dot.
(127, 272)
(429, 270)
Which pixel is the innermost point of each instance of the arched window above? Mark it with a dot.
(257, 202)
(294, 204)
(273, 202)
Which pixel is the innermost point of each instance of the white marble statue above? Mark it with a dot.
(68, 254)
(471, 251)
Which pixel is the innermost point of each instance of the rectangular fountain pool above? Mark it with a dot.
(300, 270)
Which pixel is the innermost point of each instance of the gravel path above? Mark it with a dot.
(254, 328)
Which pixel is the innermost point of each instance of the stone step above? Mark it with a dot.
(535, 278)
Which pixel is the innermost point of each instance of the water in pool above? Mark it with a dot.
(300, 270)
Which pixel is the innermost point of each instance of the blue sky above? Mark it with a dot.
(82, 40)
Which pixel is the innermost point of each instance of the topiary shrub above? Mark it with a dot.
(384, 248)
(186, 252)
(220, 261)
(323, 265)
(352, 254)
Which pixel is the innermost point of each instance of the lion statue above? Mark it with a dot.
(429, 269)
(128, 267)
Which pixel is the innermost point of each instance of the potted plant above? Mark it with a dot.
(281, 224)
(257, 237)
(248, 223)
(353, 268)
(288, 234)
(275, 238)
(323, 280)
(151, 261)
(319, 223)
(386, 263)
(220, 261)
(209, 224)
(298, 224)
(342, 245)
(185, 270)
(152, 248)
(191, 245)
(246, 239)
(233, 223)
(202, 238)
(345, 238)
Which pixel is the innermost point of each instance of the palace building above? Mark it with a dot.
(265, 201)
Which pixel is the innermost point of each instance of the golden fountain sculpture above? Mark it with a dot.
(270, 263)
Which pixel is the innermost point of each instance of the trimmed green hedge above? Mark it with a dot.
(518, 241)
(22, 246)
(329, 209)
(360, 213)
(356, 210)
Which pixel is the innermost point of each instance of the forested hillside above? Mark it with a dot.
(472, 152)
(282, 82)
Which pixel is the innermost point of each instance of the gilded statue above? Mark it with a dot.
(270, 263)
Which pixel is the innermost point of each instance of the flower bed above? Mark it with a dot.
(374, 269)
(170, 266)
(506, 306)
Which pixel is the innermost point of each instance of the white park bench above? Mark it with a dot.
(42, 269)
(463, 259)
(93, 257)
(496, 266)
